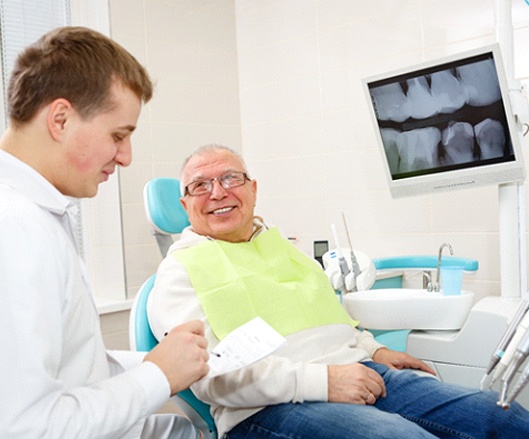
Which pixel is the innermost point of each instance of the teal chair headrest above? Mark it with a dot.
(162, 201)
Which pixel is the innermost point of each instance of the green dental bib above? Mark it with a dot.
(267, 277)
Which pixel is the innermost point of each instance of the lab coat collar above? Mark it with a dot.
(25, 180)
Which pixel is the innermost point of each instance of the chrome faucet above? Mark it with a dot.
(427, 281)
(437, 283)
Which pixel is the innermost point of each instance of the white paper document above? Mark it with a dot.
(243, 346)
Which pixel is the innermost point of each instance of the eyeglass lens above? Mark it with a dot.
(227, 181)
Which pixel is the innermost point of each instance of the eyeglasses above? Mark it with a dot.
(229, 180)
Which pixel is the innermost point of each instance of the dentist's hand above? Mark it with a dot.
(354, 384)
(400, 360)
(182, 355)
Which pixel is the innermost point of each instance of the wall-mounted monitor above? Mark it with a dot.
(446, 124)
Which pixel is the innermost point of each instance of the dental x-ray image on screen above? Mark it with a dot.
(446, 124)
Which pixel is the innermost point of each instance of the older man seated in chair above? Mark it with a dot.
(331, 380)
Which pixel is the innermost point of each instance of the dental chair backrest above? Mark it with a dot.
(166, 216)
(142, 339)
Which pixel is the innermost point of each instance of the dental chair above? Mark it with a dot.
(166, 217)
(142, 339)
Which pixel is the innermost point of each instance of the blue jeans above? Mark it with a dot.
(415, 407)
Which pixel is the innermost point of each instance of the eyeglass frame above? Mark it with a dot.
(219, 179)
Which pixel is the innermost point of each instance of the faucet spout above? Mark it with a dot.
(437, 282)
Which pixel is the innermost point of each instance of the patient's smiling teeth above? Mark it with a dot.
(223, 210)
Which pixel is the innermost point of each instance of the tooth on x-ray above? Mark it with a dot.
(458, 142)
(424, 104)
(480, 82)
(448, 92)
(389, 138)
(391, 103)
(418, 149)
(490, 137)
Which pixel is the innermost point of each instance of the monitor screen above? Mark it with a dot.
(446, 124)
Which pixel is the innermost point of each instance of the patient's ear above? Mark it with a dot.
(183, 203)
(59, 112)
(254, 190)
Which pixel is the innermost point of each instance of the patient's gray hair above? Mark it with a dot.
(204, 149)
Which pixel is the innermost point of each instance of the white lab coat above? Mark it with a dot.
(56, 379)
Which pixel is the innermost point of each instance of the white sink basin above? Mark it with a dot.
(407, 308)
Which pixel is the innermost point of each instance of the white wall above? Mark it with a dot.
(280, 79)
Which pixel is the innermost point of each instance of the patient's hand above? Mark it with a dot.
(182, 355)
(354, 384)
(400, 360)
